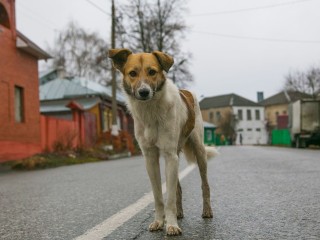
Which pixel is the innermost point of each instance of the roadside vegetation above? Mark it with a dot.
(63, 158)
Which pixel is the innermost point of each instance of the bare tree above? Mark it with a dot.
(306, 82)
(227, 125)
(156, 25)
(82, 54)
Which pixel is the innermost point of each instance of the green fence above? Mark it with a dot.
(220, 140)
(281, 137)
(211, 138)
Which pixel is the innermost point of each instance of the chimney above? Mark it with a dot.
(61, 72)
(260, 96)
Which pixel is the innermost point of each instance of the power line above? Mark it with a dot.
(248, 9)
(257, 38)
(42, 17)
(44, 24)
(98, 7)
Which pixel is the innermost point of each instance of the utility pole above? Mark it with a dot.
(114, 129)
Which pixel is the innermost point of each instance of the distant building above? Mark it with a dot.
(94, 99)
(234, 116)
(48, 75)
(277, 108)
(19, 96)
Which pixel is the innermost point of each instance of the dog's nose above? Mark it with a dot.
(144, 92)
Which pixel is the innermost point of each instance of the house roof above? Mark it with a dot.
(26, 45)
(209, 125)
(98, 88)
(61, 105)
(62, 88)
(225, 101)
(283, 97)
(46, 72)
(66, 87)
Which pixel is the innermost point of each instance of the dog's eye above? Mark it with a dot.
(133, 74)
(152, 72)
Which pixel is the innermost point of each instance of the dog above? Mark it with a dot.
(166, 121)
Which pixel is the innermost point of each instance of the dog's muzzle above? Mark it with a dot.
(144, 92)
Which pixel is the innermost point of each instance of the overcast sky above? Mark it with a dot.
(238, 46)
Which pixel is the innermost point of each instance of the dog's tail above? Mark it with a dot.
(211, 152)
(191, 154)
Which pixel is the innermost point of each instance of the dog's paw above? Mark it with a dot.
(173, 230)
(207, 213)
(156, 226)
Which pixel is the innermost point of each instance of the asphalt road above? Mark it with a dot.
(257, 193)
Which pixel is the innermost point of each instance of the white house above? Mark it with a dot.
(246, 117)
(250, 124)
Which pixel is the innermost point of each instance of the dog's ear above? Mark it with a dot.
(165, 60)
(119, 57)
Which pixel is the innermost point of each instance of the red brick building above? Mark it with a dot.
(19, 89)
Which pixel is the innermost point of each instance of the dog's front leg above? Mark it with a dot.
(153, 168)
(172, 167)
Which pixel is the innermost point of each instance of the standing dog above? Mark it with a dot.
(166, 121)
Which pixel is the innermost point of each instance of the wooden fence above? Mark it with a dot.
(61, 134)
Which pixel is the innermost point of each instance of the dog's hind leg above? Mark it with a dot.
(179, 201)
(201, 157)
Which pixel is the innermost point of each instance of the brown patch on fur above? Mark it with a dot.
(127, 88)
(165, 60)
(189, 101)
(119, 57)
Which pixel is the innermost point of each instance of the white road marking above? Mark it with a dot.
(105, 228)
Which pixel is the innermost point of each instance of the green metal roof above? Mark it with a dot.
(76, 87)
(62, 88)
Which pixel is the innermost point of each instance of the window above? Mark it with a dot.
(240, 114)
(284, 112)
(211, 116)
(249, 129)
(258, 129)
(18, 104)
(4, 19)
(218, 114)
(249, 114)
(257, 114)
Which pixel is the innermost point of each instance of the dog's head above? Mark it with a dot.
(142, 73)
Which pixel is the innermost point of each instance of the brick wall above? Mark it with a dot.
(17, 68)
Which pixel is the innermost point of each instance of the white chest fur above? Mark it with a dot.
(158, 121)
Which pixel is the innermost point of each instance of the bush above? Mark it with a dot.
(61, 158)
